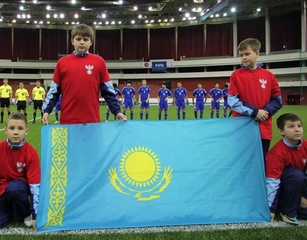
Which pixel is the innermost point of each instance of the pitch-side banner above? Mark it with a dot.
(151, 173)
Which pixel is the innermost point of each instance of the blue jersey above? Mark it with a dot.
(128, 93)
(216, 93)
(180, 94)
(163, 94)
(225, 94)
(144, 92)
(117, 93)
(200, 94)
(58, 104)
(60, 99)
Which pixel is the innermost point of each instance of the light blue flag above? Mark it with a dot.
(151, 173)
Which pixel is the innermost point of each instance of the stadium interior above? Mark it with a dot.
(194, 40)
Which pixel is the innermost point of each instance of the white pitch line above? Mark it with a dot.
(31, 120)
(184, 228)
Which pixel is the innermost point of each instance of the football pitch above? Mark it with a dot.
(229, 231)
(34, 136)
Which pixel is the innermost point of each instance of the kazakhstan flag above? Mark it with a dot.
(151, 173)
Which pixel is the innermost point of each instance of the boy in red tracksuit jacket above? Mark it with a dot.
(286, 165)
(19, 174)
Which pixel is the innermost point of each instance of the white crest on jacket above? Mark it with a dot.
(20, 166)
(89, 69)
(263, 82)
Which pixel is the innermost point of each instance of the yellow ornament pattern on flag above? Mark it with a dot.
(58, 177)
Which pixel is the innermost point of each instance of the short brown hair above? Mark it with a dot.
(17, 116)
(281, 120)
(83, 30)
(253, 43)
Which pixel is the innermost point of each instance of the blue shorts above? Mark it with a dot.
(163, 105)
(226, 106)
(14, 199)
(180, 105)
(144, 104)
(215, 105)
(58, 107)
(128, 104)
(199, 105)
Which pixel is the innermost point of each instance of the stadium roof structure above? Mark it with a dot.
(135, 13)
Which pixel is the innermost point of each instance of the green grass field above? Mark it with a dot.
(291, 233)
(288, 232)
(34, 129)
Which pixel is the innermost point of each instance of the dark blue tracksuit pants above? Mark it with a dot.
(293, 186)
(14, 199)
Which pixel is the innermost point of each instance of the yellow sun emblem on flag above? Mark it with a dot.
(140, 174)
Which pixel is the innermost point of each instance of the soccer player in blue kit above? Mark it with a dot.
(118, 94)
(180, 95)
(58, 109)
(128, 93)
(163, 96)
(144, 94)
(215, 94)
(225, 96)
(200, 95)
